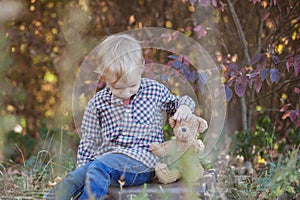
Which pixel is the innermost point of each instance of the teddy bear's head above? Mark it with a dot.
(186, 130)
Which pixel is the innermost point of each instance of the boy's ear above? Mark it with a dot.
(202, 124)
(172, 122)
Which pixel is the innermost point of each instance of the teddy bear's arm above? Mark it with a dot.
(161, 150)
(198, 146)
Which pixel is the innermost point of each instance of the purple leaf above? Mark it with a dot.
(289, 63)
(285, 107)
(253, 74)
(275, 59)
(297, 124)
(297, 58)
(233, 67)
(177, 64)
(173, 57)
(201, 32)
(240, 86)
(187, 74)
(171, 63)
(296, 67)
(214, 3)
(293, 115)
(193, 76)
(185, 60)
(148, 61)
(259, 67)
(228, 93)
(192, 2)
(256, 58)
(264, 74)
(204, 2)
(183, 68)
(258, 85)
(274, 75)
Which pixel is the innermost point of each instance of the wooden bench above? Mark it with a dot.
(158, 191)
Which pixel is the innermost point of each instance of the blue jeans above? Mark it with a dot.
(94, 178)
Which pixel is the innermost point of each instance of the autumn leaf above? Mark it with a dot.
(284, 108)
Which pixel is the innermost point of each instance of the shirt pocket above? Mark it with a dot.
(144, 110)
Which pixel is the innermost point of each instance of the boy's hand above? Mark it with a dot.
(183, 113)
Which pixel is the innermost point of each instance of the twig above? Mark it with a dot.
(21, 154)
(275, 90)
(259, 47)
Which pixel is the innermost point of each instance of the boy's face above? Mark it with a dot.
(126, 86)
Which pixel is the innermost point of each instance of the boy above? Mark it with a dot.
(119, 124)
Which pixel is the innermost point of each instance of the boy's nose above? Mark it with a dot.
(183, 129)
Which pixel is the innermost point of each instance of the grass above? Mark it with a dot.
(36, 175)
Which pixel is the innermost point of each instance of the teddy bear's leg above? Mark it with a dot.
(196, 175)
(166, 175)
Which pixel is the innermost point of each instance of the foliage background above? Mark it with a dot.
(43, 43)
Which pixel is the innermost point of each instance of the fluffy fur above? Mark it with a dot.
(180, 157)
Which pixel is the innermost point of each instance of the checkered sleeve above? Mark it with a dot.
(170, 102)
(91, 136)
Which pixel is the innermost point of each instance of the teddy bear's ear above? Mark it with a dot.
(172, 122)
(202, 124)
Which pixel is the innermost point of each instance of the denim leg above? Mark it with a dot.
(97, 181)
(70, 186)
(106, 170)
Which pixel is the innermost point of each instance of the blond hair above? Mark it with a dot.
(118, 55)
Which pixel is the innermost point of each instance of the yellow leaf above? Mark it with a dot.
(23, 122)
(191, 8)
(50, 77)
(169, 24)
(260, 160)
(258, 108)
(54, 31)
(294, 35)
(279, 48)
(55, 49)
(49, 114)
(284, 96)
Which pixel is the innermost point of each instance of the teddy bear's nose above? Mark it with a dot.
(183, 129)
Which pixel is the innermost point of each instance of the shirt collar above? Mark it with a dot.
(117, 100)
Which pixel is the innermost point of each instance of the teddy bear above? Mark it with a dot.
(179, 158)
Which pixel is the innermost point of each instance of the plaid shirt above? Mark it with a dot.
(109, 126)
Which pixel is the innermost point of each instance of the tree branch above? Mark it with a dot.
(239, 30)
(246, 52)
